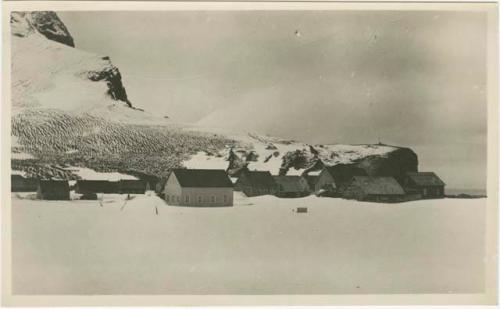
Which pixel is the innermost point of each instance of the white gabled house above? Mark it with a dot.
(198, 188)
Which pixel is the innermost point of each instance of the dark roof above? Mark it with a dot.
(200, 178)
(291, 183)
(132, 183)
(378, 185)
(51, 186)
(259, 178)
(425, 179)
(344, 172)
(96, 186)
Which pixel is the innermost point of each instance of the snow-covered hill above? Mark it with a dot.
(71, 108)
(283, 157)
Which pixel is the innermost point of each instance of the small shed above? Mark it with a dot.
(427, 184)
(97, 186)
(255, 183)
(19, 183)
(132, 186)
(374, 188)
(291, 186)
(53, 190)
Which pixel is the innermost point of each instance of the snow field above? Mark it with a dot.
(259, 246)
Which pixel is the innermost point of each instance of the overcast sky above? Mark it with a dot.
(413, 79)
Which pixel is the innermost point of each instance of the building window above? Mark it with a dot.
(199, 199)
(186, 198)
(212, 199)
(225, 199)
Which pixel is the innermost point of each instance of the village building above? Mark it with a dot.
(150, 180)
(255, 183)
(333, 179)
(427, 184)
(198, 188)
(133, 186)
(311, 181)
(291, 186)
(19, 183)
(374, 188)
(84, 186)
(53, 190)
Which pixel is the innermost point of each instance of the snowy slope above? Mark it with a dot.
(47, 74)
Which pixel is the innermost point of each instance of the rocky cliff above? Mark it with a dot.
(45, 64)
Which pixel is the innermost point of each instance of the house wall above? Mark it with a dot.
(354, 192)
(392, 198)
(244, 185)
(172, 191)
(60, 195)
(21, 184)
(432, 191)
(206, 197)
(324, 179)
(304, 190)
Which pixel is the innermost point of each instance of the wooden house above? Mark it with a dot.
(311, 181)
(96, 186)
(374, 188)
(198, 188)
(426, 184)
(333, 179)
(53, 190)
(150, 180)
(132, 186)
(19, 183)
(255, 183)
(291, 186)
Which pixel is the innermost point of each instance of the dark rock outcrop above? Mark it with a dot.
(113, 79)
(236, 164)
(298, 159)
(49, 24)
(46, 23)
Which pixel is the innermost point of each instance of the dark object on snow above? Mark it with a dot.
(301, 209)
(255, 183)
(20, 183)
(291, 186)
(375, 189)
(427, 184)
(198, 188)
(53, 190)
